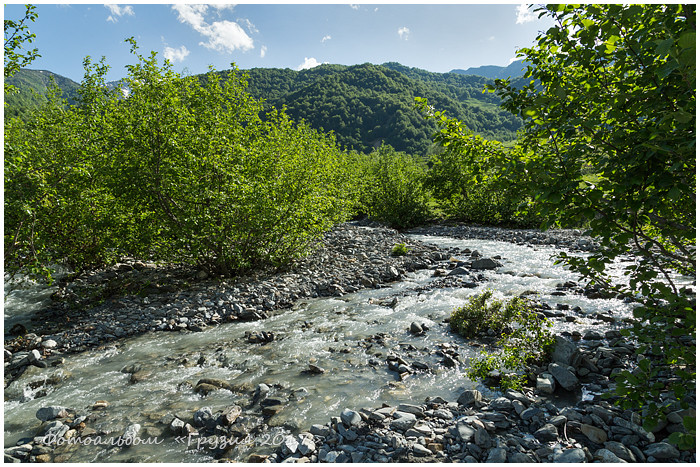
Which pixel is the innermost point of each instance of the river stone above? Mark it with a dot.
(605, 455)
(132, 431)
(49, 413)
(482, 438)
(500, 403)
(469, 397)
(620, 450)
(350, 417)
(320, 430)
(662, 450)
(570, 456)
(546, 383)
(410, 408)
(547, 433)
(459, 271)
(403, 422)
(306, 445)
(519, 458)
(564, 351)
(595, 434)
(530, 412)
(421, 451)
(289, 445)
(485, 263)
(563, 376)
(498, 456)
(465, 432)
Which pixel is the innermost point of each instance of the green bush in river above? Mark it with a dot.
(524, 336)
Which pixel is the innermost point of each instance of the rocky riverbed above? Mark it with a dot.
(560, 418)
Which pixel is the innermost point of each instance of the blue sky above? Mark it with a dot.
(432, 37)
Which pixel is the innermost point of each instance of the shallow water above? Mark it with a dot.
(328, 332)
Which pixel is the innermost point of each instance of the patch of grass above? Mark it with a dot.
(400, 249)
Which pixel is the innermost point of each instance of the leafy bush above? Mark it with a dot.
(400, 249)
(394, 188)
(465, 180)
(170, 169)
(524, 336)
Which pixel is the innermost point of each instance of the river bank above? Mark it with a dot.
(276, 381)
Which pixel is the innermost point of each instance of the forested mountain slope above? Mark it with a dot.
(364, 105)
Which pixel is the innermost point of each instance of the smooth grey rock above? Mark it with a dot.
(49, 413)
(306, 445)
(546, 383)
(595, 434)
(421, 451)
(289, 445)
(605, 455)
(403, 422)
(468, 397)
(320, 430)
(570, 456)
(132, 431)
(459, 271)
(563, 376)
(416, 328)
(410, 408)
(482, 438)
(485, 263)
(662, 450)
(519, 458)
(465, 432)
(530, 412)
(564, 351)
(547, 433)
(620, 450)
(500, 403)
(497, 455)
(350, 417)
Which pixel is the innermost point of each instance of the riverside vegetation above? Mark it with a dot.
(195, 171)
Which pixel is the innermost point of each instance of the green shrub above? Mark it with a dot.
(175, 170)
(394, 191)
(524, 336)
(400, 249)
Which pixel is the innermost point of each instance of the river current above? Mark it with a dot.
(341, 335)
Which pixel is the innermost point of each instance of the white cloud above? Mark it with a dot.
(263, 51)
(176, 55)
(355, 7)
(309, 63)
(404, 32)
(118, 11)
(325, 38)
(524, 15)
(223, 36)
(250, 26)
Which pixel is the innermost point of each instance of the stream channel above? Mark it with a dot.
(349, 336)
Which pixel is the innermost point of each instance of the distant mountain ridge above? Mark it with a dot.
(363, 105)
(514, 70)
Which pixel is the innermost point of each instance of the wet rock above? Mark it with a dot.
(662, 450)
(547, 433)
(564, 351)
(403, 421)
(546, 383)
(482, 438)
(51, 413)
(603, 455)
(595, 434)
(421, 451)
(306, 444)
(231, 414)
(563, 376)
(570, 456)
(350, 418)
(620, 450)
(416, 329)
(485, 263)
(410, 408)
(469, 397)
(459, 271)
(314, 370)
(498, 455)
